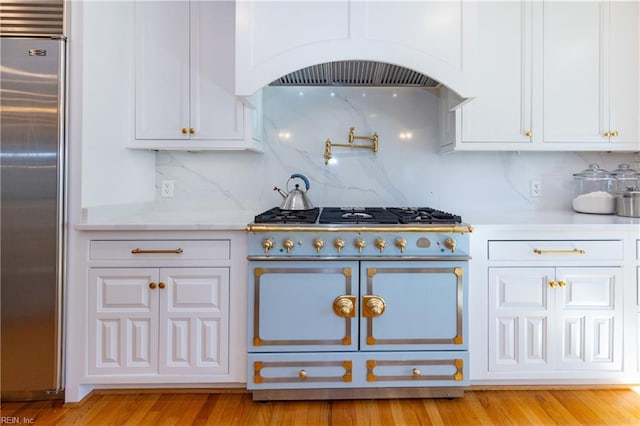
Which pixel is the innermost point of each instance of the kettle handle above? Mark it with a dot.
(303, 177)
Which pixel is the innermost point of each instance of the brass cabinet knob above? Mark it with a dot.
(562, 283)
(528, 133)
(288, 245)
(553, 284)
(401, 243)
(339, 244)
(161, 285)
(380, 244)
(450, 243)
(373, 306)
(415, 372)
(191, 130)
(302, 374)
(606, 134)
(184, 130)
(614, 133)
(152, 285)
(318, 244)
(267, 245)
(345, 306)
(360, 244)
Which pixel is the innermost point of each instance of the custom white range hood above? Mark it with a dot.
(353, 43)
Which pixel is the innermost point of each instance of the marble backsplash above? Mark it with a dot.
(408, 169)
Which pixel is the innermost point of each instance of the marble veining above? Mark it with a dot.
(408, 170)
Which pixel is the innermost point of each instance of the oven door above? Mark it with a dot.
(413, 305)
(297, 306)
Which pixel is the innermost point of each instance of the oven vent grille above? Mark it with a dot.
(356, 73)
(31, 18)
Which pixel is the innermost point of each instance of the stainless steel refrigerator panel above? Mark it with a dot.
(31, 212)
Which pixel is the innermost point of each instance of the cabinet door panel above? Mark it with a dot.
(518, 297)
(162, 70)
(123, 321)
(590, 316)
(502, 71)
(216, 113)
(574, 84)
(193, 320)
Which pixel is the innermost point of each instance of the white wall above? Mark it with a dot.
(405, 172)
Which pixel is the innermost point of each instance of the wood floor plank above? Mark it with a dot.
(489, 407)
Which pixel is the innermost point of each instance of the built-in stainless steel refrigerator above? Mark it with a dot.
(32, 216)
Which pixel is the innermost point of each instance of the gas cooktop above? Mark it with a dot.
(359, 215)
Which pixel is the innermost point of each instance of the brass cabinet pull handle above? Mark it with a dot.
(152, 251)
(152, 285)
(572, 251)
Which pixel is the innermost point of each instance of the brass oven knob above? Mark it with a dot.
(416, 372)
(318, 244)
(380, 244)
(401, 243)
(450, 243)
(339, 244)
(288, 245)
(267, 245)
(360, 244)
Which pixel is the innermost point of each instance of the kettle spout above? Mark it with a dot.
(280, 191)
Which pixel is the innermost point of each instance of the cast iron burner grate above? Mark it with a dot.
(278, 215)
(423, 215)
(356, 215)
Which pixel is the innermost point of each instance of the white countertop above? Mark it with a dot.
(145, 219)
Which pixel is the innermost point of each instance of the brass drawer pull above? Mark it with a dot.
(151, 251)
(572, 251)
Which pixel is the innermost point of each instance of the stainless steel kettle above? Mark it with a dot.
(295, 199)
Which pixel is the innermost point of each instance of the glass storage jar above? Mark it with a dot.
(625, 177)
(594, 191)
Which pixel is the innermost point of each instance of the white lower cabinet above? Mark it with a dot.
(158, 321)
(545, 319)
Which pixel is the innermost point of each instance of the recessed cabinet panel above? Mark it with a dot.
(588, 290)
(139, 348)
(535, 340)
(522, 291)
(507, 337)
(573, 341)
(124, 293)
(108, 336)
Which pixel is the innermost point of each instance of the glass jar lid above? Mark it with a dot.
(624, 170)
(594, 171)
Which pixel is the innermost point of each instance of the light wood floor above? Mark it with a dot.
(502, 407)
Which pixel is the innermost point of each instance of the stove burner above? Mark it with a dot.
(339, 215)
(278, 215)
(423, 215)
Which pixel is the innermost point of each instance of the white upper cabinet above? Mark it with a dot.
(185, 78)
(274, 38)
(552, 76)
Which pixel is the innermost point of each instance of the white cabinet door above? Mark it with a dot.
(591, 72)
(123, 321)
(194, 321)
(520, 312)
(589, 305)
(502, 73)
(162, 70)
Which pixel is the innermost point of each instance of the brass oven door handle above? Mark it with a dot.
(152, 251)
(572, 251)
(373, 306)
(345, 306)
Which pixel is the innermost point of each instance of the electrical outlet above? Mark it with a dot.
(166, 189)
(535, 188)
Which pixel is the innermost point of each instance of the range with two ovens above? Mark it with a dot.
(357, 303)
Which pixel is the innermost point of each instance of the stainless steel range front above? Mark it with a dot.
(357, 303)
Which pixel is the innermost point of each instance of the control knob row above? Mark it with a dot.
(359, 243)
